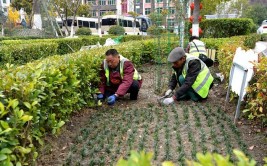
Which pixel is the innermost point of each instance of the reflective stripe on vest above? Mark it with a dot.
(204, 79)
(136, 75)
(201, 48)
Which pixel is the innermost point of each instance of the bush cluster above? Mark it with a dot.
(155, 30)
(116, 30)
(84, 31)
(23, 51)
(221, 28)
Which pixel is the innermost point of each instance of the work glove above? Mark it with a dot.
(168, 101)
(100, 96)
(111, 99)
(168, 92)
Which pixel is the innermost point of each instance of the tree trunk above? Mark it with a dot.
(152, 6)
(61, 17)
(3, 33)
(99, 22)
(37, 20)
(195, 25)
(141, 7)
(74, 15)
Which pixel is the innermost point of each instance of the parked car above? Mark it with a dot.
(263, 28)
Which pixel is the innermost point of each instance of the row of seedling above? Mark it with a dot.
(212, 127)
(223, 120)
(190, 134)
(179, 149)
(167, 127)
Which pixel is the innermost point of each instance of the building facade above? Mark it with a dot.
(123, 7)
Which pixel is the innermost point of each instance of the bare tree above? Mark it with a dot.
(134, 15)
(75, 9)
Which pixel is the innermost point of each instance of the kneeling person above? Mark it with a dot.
(118, 77)
(192, 75)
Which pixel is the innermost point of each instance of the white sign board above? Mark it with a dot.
(244, 59)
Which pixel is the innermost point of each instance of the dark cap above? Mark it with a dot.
(176, 54)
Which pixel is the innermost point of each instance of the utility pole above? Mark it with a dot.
(99, 23)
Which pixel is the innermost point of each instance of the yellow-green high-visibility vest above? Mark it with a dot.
(204, 79)
(136, 75)
(199, 50)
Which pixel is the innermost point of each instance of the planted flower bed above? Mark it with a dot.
(171, 133)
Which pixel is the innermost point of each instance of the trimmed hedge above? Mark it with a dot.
(23, 51)
(218, 28)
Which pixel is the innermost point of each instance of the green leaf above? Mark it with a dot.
(19, 113)
(28, 105)
(2, 157)
(167, 163)
(6, 151)
(4, 124)
(24, 150)
(26, 118)
(2, 107)
(18, 164)
(60, 124)
(34, 103)
(246, 110)
(122, 162)
(35, 155)
(204, 159)
(5, 131)
(15, 104)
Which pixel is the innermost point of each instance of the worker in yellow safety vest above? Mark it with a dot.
(192, 75)
(196, 46)
(118, 77)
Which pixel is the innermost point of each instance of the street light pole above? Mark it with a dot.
(99, 23)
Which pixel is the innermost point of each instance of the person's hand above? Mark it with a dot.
(168, 101)
(168, 92)
(111, 99)
(100, 96)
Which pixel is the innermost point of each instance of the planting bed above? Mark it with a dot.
(100, 136)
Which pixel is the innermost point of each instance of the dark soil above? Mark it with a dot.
(99, 136)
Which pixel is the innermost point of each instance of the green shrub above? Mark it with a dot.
(24, 53)
(155, 30)
(144, 159)
(250, 40)
(256, 102)
(84, 31)
(116, 30)
(264, 37)
(218, 28)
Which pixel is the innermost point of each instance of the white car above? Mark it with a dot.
(263, 28)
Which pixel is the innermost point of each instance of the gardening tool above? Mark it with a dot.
(160, 99)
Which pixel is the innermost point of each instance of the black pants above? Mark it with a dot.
(133, 90)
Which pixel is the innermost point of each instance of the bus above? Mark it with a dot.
(145, 22)
(80, 22)
(127, 22)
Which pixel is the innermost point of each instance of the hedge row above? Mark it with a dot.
(23, 51)
(38, 97)
(227, 27)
